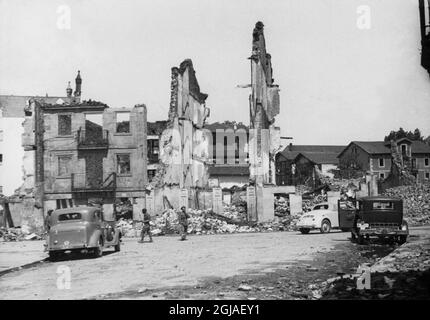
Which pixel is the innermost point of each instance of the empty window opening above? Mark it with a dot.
(123, 122)
(151, 175)
(123, 164)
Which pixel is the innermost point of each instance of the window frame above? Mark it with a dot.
(426, 175)
(383, 162)
(129, 173)
(428, 162)
(58, 125)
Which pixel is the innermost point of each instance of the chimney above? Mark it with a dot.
(69, 90)
(290, 147)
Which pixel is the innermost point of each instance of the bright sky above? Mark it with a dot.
(338, 82)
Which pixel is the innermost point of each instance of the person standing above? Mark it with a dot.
(48, 221)
(183, 222)
(146, 228)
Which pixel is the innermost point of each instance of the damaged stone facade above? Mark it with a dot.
(184, 144)
(86, 153)
(264, 107)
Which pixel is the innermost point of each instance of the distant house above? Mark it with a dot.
(296, 163)
(229, 164)
(375, 157)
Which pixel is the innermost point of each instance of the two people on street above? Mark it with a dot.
(183, 217)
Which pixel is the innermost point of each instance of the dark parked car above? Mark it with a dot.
(81, 229)
(378, 216)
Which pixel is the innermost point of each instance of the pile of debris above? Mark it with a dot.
(17, 234)
(206, 222)
(416, 202)
(233, 212)
(282, 206)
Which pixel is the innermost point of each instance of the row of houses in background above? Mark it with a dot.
(298, 164)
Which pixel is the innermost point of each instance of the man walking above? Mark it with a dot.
(146, 228)
(183, 222)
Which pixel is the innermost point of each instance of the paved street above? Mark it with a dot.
(170, 263)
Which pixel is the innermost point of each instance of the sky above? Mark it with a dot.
(341, 77)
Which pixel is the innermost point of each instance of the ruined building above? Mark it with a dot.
(85, 153)
(184, 145)
(264, 107)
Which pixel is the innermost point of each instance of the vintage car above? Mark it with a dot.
(320, 217)
(378, 216)
(81, 229)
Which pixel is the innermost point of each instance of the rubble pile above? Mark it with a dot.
(17, 234)
(416, 202)
(206, 222)
(236, 213)
(308, 204)
(282, 206)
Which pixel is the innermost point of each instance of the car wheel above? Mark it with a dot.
(54, 256)
(98, 251)
(118, 246)
(325, 226)
(304, 230)
(402, 239)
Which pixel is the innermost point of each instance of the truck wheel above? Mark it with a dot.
(98, 251)
(304, 230)
(325, 226)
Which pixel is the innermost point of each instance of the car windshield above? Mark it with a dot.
(321, 207)
(70, 216)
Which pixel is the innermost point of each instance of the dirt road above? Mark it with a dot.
(174, 269)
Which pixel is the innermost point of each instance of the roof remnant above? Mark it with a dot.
(319, 157)
(292, 151)
(383, 148)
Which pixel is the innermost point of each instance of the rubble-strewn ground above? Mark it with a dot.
(276, 265)
(403, 274)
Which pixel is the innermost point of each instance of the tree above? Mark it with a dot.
(401, 133)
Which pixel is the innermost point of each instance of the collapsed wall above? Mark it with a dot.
(184, 144)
